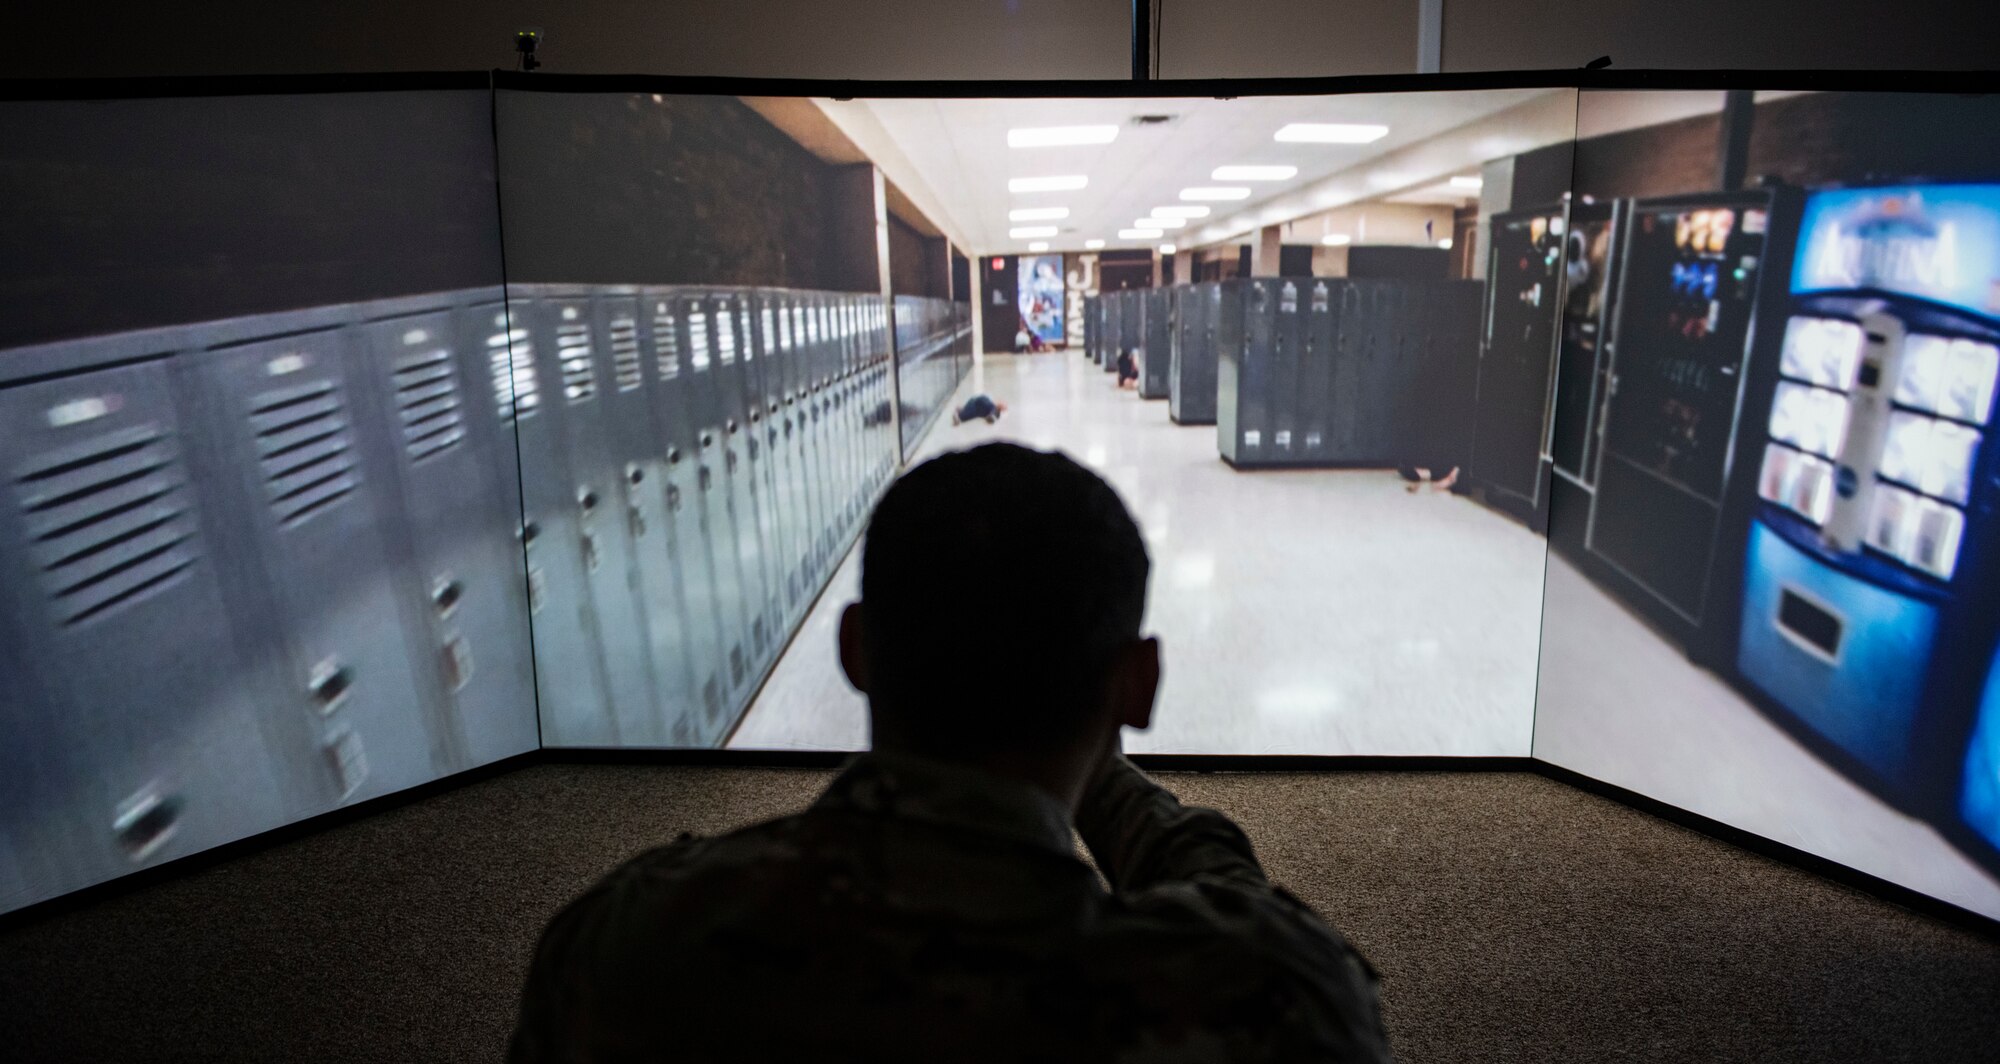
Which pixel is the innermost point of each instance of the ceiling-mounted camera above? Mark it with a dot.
(525, 43)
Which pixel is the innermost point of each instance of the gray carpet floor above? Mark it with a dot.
(1512, 918)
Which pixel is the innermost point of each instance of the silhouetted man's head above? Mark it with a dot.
(1002, 591)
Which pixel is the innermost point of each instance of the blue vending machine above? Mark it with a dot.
(1868, 571)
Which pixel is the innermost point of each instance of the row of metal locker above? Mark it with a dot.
(260, 568)
(1171, 333)
(1305, 371)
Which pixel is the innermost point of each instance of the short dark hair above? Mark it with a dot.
(996, 584)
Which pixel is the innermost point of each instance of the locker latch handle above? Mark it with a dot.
(446, 595)
(330, 684)
(145, 821)
(635, 515)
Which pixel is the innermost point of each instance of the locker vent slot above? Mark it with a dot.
(427, 401)
(573, 348)
(303, 448)
(510, 358)
(666, 346)
(725, 334)
(108, 521)
(625, 354)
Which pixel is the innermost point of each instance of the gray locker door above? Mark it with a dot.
(757, 450)
(798, 423)
(712, 484)
(851, 408)
(1287, 441)
(775, 455)
(1254, 367)
(463, 587)
(314, 519)
(569, 668)
(687, 532)
(132, 733)
(1316, 369)
(639, 455)
(580, 351)
(783, 434)
(812, 399)
(727, 393)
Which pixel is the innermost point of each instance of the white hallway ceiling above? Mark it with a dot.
(959, 149)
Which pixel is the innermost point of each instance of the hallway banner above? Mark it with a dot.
(1041, 299)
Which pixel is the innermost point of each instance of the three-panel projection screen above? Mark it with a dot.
(353, 439)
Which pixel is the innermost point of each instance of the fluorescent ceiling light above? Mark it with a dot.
(1139, 234)
(1028, 232)
(1058, 136)
(1093, 245)
(1180, 211)
(1039, 245)
(1213, 193)
(1037, 214)
(1334, 240)
(1167, 249)
(1064, 183)
(1331, 133)
(1468, 182)
(1159, 223)
(1254, 173)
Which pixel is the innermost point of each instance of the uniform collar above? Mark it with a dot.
(936, 792)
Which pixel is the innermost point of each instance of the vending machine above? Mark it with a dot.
(1508, 461)
(1679, 355)
(1868, 572)
(1583, 366)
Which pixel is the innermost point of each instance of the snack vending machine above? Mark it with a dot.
(1508, 461)
(1868, 575)
(1679, 356)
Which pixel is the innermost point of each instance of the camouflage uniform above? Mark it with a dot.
(925, 912)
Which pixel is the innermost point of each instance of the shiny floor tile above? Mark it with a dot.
(1301, 612)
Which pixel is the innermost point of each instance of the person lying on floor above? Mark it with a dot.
(981, 407)
(930, 905)
(1128, 369)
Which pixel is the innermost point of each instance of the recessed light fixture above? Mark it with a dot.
(1059, 136)
(1039, 245)
(1254, 173)
(1445, 243)
(1331, 133)
(1093, 245)
(1139, 234)
(1029, 232)
(1468, 182)
(1180, 211)
(1167, 249)
(1159, 223)
(1334, 240)
(1215, 193)
(1063, 183)
(1037, 214)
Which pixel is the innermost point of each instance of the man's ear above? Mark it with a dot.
(853, 647)
(1136, 683)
